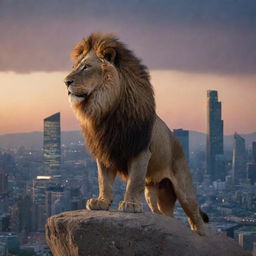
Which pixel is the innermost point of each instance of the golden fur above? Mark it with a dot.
(111, 95)
(115, 125)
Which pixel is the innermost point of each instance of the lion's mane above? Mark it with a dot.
(121, 134)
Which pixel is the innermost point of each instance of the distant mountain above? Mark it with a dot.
(28, 140)
(197, 140)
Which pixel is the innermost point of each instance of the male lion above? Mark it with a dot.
(111, 95)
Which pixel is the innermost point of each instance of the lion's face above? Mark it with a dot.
(86, 76)
(93, 85)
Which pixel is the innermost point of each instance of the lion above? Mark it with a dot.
(111, 95)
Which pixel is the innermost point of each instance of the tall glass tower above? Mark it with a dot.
(254, 152)
(52, 146)
(239, 159)
(214, 135)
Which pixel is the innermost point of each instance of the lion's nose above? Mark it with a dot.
(68, 82)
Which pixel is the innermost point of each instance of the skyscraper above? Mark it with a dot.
(3, 183)
(239, 159)
(52, 146)
(42, 187)
(251, 167)
(39, 188)
(254, 151)
(183, 137)
(214, 134)
(4, 198)
(251, 172)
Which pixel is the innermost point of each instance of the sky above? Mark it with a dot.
(189, 46)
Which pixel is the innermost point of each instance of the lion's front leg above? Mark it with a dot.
(136, 182)
(106, 177)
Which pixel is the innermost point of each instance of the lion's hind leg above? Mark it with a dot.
(166, 197)
(161, 197)
(151, 195)
(182, 183)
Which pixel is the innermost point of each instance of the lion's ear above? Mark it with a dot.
(110, 54)
(77, 51)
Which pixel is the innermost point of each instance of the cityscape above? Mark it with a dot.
(36, 183)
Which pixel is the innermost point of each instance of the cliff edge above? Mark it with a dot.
(98, 233)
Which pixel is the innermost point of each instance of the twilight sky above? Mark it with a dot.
(190, 46)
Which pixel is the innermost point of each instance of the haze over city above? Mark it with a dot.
(188, 47)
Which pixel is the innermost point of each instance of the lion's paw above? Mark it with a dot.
(97, 204)
(126, 206)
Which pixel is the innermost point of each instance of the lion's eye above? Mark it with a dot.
(84, 67)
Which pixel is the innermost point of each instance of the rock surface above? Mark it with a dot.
(104, 233)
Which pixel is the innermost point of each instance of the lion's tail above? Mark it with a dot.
(204, 216)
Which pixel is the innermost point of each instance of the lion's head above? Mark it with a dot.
(93, 84)
(110, 92)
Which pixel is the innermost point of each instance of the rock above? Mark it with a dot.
(108, 233)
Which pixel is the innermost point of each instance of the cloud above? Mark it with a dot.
(196, 36)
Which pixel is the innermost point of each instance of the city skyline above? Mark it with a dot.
(232, 206)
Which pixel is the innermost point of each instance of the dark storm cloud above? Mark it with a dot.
(188, 35)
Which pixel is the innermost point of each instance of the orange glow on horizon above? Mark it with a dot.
(181, 100)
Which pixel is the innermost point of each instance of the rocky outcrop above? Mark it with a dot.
(104, 233)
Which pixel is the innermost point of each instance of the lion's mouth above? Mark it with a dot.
(84, 95)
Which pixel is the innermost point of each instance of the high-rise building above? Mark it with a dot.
(40, 187)
(214, 134)
(239, 159)
(4, 199)
(183, 137)
(3, 183)
(3, 248)
(254, 152)
(251, 172)
(220, 168)
(54, 200)
(246, 239)
(52, 144)
(251, 167)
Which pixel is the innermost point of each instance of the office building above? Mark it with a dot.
(43, 190)
(239, 159)
(254, 152)
(4, 199)
(52, 144)
(251, 172)
(40, 186)
(54, 200)
(246, 239)
(3, 183)
(214, 134)
(220, 168)
(183, 137)
(3, 249)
